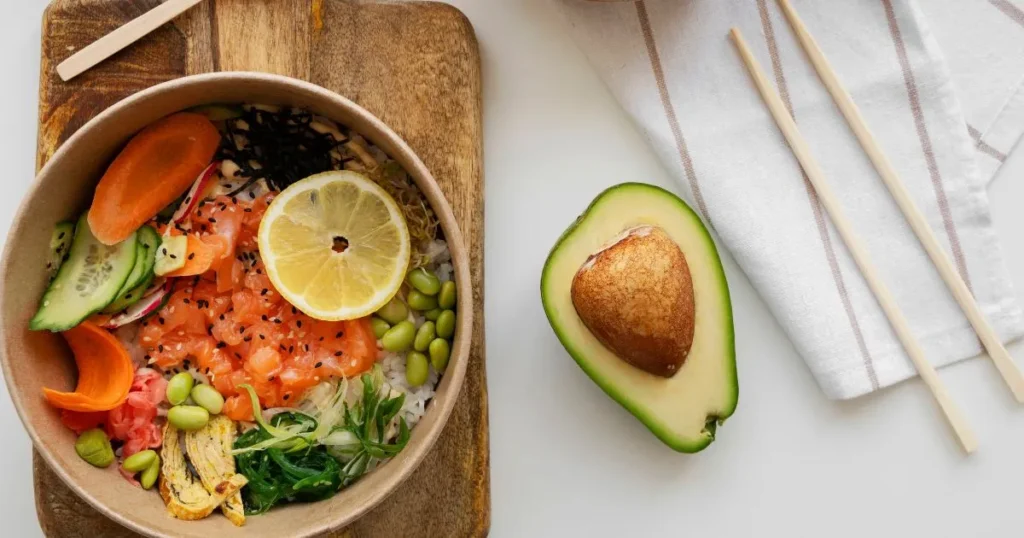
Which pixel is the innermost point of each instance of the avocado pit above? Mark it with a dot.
(635, 295)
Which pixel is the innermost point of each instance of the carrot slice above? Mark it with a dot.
(105, 371)
(199, 257)
(156, 166)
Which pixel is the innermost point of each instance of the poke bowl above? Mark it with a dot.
(234, 304)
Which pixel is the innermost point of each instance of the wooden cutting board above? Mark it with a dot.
(417, 67)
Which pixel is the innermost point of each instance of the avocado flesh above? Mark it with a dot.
(685, 409)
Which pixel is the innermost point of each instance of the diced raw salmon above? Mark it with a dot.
(232, 325)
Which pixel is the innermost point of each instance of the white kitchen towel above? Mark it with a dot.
(672, 67)
(983, 44)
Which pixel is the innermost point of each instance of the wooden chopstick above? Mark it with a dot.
(132, 31)
(1004, 363)
(856, 247)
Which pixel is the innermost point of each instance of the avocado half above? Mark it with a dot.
(685, 409)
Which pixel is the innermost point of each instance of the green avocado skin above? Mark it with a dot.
(675, 441)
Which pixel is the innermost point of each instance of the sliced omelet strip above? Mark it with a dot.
(183, 492)
(209, 450)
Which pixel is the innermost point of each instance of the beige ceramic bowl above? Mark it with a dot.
(33, 360)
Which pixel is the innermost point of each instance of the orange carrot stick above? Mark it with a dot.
(156, 166)
(105, 371)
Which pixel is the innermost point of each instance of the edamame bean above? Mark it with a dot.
(424, 281)
(94, 447)
(446, 324)
(416, 368)
(420, 301)
(446, 299)
(140, 461)
(379, 326)
(399, 338)
(208, 398)
(393, 312)
(179, 387)
(150, 475)
(424, 335)
(188, 417)
(440, 350)
(432, 314)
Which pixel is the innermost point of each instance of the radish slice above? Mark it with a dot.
(147, 305)
(192, 199)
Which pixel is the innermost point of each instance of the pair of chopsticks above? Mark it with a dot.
(1004, 363)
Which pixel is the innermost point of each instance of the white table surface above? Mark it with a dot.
(566, 460)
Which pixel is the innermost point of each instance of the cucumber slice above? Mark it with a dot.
(218, 112)
(130, 297)
(87, 282)
(142, 274)
(60, 242)
(171, 255)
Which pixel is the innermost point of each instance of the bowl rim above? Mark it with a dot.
(454, 375)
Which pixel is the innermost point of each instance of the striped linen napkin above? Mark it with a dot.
(672, 67)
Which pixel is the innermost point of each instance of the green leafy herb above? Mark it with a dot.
(297, 457)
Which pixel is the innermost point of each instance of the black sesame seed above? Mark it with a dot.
(128, 296)
(263, 337)
(291, 349)
(186, 301)
(221, 345)
(173, 257)
(247, 339)
(263, 317)
(337, 353)
(61, 236)
(165, 251)
(340, 334)
(286, 396)
(213, 220)
(317, 365)
(298, 323)
(263, 291)
(147, 357)
(241, 330)
(161, 320)
(248, 210)
(222, 317)
(192, 255)
(160, 348)
(277, 321)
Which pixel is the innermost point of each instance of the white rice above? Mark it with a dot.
(127, 335)
(393, 364)
(416, 398)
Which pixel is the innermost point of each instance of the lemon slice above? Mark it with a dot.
(335, 245)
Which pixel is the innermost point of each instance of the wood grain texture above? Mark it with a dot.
(417, 67)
